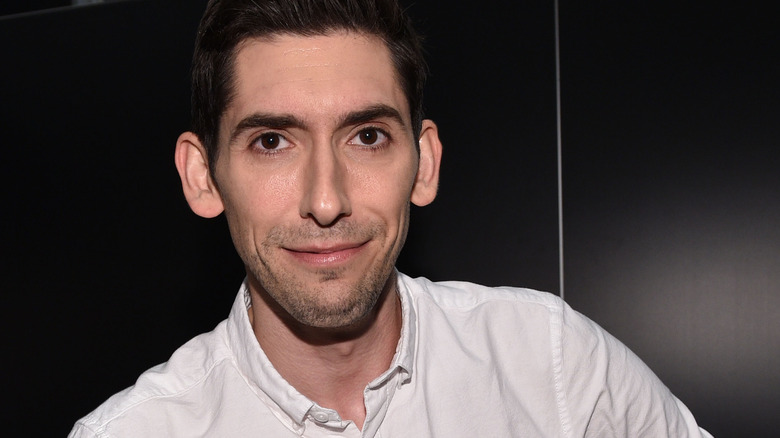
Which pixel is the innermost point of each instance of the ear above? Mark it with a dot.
(426, 183)
(199, 188)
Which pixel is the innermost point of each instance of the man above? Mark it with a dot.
(308, 134)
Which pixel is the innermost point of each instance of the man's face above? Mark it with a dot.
(316, 165)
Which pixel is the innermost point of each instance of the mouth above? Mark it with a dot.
(330, 255)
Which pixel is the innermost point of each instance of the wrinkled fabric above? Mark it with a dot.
(471, 361)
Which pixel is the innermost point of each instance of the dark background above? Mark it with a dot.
(671, 190)
(671, 116)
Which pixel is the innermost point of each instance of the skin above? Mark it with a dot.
(315, 173)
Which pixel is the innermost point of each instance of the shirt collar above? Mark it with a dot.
(405, 351)
(256, 366)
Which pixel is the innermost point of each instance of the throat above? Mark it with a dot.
(331, 367)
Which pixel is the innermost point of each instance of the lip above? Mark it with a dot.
(328, 255)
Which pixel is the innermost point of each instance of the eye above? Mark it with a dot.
(372, 137)
(271, 141)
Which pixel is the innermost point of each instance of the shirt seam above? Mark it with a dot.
(556, 343)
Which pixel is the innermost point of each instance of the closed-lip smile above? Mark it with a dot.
(326, 254)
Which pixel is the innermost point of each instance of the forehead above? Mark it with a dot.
(313, 77)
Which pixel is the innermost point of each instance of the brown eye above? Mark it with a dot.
(369, 136)
(270, 141)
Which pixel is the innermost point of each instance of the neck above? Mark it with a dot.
(330, 366)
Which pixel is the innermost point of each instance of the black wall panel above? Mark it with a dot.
(492, 93)
(106, 270)
(671, 128)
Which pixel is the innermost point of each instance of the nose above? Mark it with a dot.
(325, 196)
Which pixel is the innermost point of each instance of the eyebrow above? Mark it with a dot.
(373, 112)
(285, 121)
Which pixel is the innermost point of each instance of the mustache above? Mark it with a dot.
(343, 230)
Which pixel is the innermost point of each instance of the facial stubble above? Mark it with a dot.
(323, 300)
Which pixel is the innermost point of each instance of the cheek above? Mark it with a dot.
(386, 189)
(254, 204)
(278, 192)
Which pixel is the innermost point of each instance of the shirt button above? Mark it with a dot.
(321, 417)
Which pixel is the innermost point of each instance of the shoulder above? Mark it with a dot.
(522, 306)
(506, 307)
(464, 295)
(179, 381)
(510, 321)
(567, 361)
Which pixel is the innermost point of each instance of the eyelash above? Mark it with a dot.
(369, 148)
(254, 140)
(388, 139)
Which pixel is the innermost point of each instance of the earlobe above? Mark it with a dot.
(199, 188)
(426, 184)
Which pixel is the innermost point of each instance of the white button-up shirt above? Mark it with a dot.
(472, 361)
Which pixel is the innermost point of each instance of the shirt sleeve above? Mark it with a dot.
(605, 390)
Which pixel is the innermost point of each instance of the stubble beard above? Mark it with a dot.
(320, 303)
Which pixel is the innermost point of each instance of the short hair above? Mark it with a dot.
(227, 23)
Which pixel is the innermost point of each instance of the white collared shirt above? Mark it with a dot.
(472, 361)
